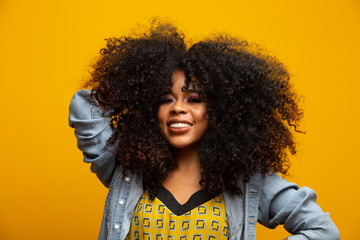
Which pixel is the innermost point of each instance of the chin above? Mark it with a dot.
(181, 145)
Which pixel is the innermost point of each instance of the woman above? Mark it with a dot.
(195, 139)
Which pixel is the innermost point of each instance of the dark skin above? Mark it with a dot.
(182, 123)
(184, 180)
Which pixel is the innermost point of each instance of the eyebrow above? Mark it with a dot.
(184, 89)
(193, 90)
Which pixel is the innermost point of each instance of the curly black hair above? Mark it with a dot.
(250, 102)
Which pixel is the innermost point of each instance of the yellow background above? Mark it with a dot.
(45, 50)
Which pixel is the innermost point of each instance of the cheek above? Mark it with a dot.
(204, 124)
(200, 114)
(201, 119)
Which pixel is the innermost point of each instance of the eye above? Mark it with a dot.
(194, 100)
(165, 100)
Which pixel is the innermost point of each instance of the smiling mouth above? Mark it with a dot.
(177, 127)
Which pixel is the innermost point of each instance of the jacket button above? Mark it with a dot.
(116, 226)
(121, 202)
(127, 179)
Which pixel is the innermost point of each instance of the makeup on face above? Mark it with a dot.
(181, 115)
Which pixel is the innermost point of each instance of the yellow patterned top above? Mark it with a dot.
(201, 218)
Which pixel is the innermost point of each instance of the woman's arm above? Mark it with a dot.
(282, 202)
(92, 130)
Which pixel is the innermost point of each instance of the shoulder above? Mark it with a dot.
(272, 183)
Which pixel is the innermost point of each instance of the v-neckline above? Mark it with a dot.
(167, 198)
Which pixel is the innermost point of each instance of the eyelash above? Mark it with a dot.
(194, 100)
(190, 100)
(166, 100)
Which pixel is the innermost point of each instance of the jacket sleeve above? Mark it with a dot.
(92, 130)
(282, 202)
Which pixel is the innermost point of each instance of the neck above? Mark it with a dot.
(187, 158)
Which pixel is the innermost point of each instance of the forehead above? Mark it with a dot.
(183, 83)
(178, 78)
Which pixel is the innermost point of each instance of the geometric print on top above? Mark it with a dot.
(153, 220)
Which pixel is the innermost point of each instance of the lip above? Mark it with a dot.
(179, 130)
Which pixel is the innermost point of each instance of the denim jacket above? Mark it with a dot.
(269, 200)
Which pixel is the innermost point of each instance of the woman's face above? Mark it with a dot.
(181, 115)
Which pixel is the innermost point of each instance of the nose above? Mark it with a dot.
(179, 107)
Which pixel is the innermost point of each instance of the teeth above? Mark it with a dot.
(179, 125)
